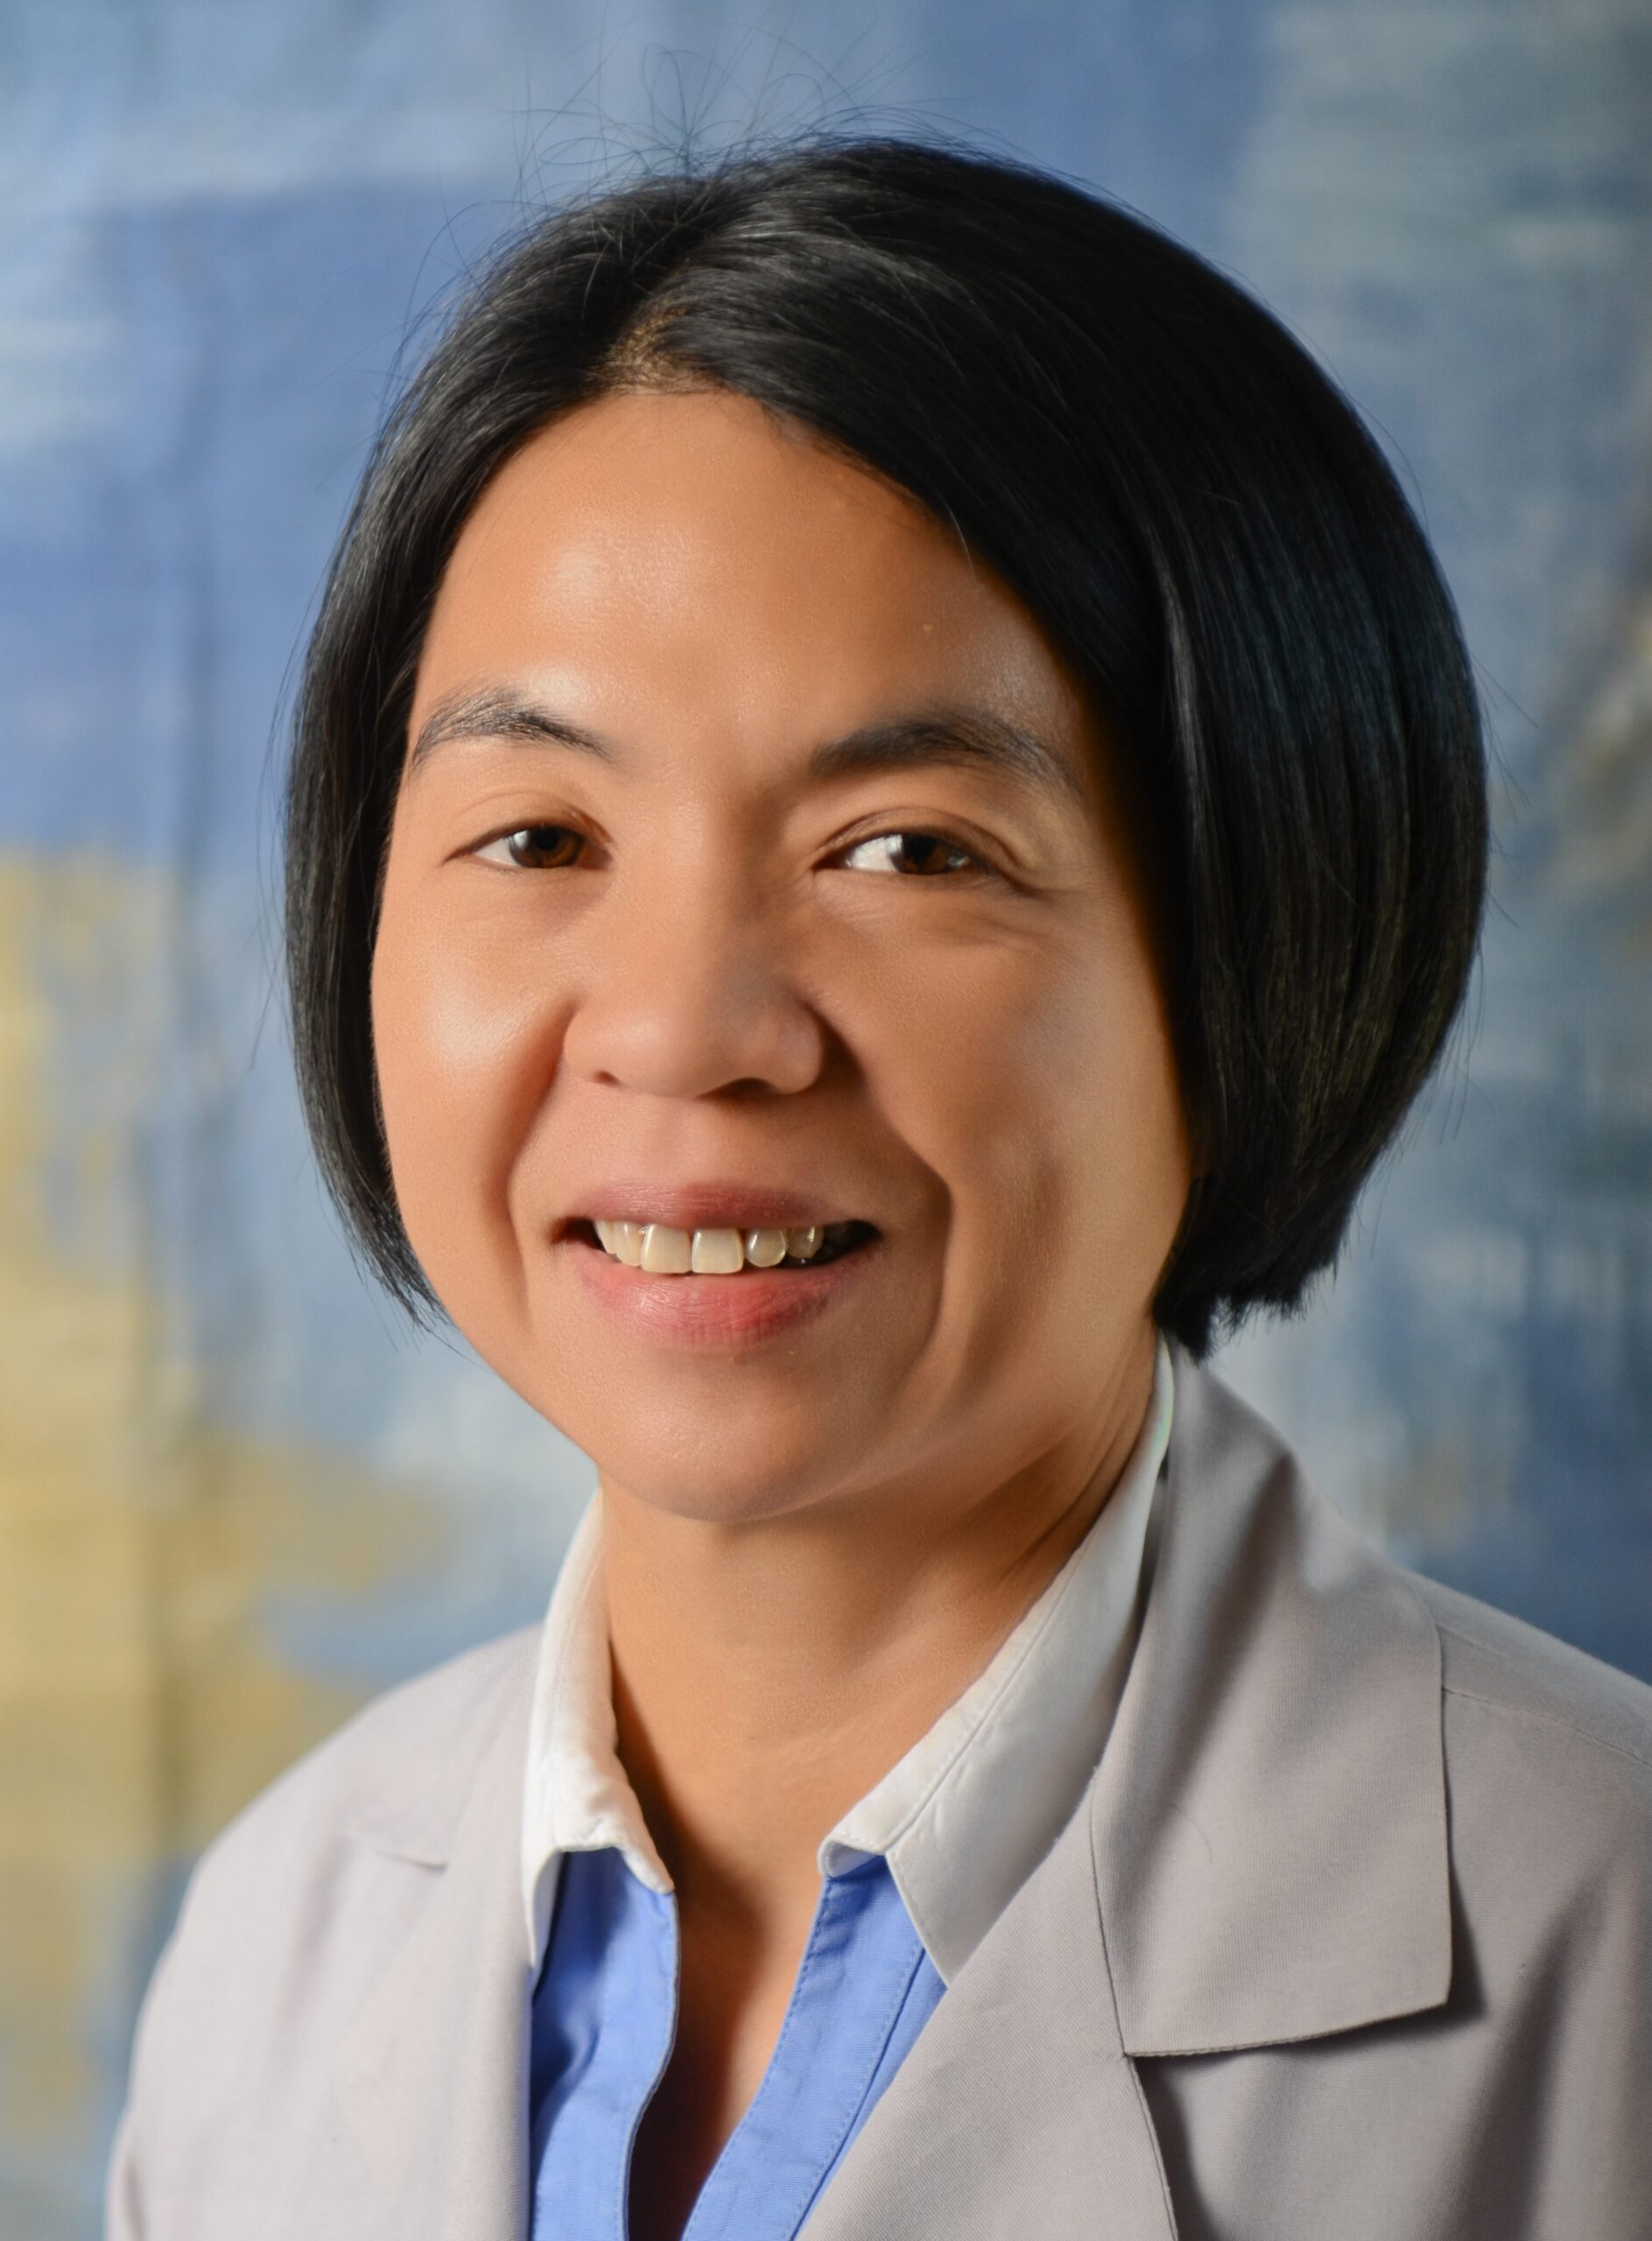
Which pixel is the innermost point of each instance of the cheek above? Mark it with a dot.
(460, 1039)
(1119, 1163)
(1039, 1082)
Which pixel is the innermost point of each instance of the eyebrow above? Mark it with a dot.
(944, 736)
(493, 714)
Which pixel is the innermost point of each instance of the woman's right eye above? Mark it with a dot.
(534, 847)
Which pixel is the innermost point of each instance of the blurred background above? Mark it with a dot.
(236, 1496)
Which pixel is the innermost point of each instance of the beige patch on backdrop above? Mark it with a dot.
(141, 1703)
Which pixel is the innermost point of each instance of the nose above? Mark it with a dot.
(689, 993)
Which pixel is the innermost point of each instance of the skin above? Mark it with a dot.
(813, 1541)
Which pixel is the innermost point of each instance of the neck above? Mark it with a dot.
(767, 1673)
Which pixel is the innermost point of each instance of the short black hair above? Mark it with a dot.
(1187, 504)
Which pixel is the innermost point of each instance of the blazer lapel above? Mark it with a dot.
(1017, 2110)
(428, 2129)
(1270, 1815)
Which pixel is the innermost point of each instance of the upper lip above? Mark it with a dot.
(706, 1205)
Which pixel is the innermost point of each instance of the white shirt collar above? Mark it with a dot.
(968, 1812)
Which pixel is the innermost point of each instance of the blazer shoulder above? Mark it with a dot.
(1487, 1657)
(1492, 1658)
(395, 1775)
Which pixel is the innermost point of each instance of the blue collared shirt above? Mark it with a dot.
(604, 2015)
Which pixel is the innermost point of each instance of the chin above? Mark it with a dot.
(726, 1474)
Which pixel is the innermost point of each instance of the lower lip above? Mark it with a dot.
(716, 1313)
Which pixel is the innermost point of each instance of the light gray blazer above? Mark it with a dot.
(1350, 1938)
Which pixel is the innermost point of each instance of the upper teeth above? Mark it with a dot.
(662, 1251)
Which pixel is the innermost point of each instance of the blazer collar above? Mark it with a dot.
(1269, 1820)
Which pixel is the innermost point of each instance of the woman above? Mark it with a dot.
(888, 814)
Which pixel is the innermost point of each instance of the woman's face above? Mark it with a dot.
(653, 949)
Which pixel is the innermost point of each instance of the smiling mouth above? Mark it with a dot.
(658, 1250)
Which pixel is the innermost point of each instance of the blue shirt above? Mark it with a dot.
(604, 2016)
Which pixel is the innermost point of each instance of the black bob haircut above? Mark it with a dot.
(1191, 510)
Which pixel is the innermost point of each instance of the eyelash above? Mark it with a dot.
(973, 863)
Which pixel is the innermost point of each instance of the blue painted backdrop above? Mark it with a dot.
(234, 1496)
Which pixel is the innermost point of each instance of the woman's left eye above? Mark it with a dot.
(534, 847)
(919, 854)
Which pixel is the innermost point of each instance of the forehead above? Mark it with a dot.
(655, 555)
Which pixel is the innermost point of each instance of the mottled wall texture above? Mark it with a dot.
(235, 1497)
